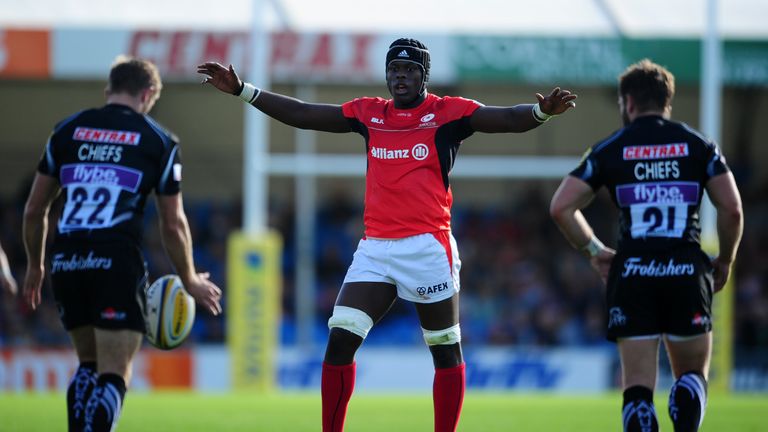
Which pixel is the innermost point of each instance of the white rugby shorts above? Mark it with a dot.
(424, 268)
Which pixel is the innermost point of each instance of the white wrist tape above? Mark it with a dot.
(593, 247)
(539, 115)
(249, 93)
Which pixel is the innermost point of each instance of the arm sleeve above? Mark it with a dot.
(589, 170)
(47, 164)
(716, 164)
(352, 111)
(466, 108)
(170, 174)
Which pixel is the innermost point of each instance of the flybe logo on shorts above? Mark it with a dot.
(75, 262)
(634, 266)
(434, 289)
(659, 151)
(108, 136)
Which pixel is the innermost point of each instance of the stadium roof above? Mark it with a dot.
(633, 18)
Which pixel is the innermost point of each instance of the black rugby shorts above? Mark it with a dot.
(98, 284)
(667, 292)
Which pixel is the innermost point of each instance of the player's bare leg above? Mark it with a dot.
(440, 323)
(689, 358)
(639, 365)
(115, 350)
(359, 306)
(84, 379)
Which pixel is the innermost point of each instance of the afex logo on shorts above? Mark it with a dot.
(424, 291)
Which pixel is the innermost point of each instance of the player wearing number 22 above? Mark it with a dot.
(106, 161)
(659, 282)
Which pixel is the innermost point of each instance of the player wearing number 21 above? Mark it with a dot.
(106, 161)
(659, 282)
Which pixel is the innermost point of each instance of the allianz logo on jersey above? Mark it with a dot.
(75, 262)
(634, 266)
(418, 152)
(657, 151)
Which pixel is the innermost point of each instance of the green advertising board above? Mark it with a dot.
(598, 61)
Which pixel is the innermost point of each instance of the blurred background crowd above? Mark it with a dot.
(522, 284)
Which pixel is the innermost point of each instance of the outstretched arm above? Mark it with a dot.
(565, 208)
(524, 117)
(291, 111)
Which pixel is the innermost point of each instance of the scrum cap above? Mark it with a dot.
(410, 50)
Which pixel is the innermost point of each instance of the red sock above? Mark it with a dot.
(448, 396)
(336, 388)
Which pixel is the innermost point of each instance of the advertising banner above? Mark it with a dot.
(24, 53)
(43, 370)
(253, 308)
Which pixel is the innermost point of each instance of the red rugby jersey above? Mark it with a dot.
(410, 153)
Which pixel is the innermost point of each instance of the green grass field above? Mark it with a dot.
(297, 412)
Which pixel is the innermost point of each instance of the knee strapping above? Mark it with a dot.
(448, 336)
(351, 319)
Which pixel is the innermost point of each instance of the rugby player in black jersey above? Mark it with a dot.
(660, 283)
(106, 161)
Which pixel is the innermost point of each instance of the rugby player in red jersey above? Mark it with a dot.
(407, 250)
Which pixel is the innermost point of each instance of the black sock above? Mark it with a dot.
(687, 402)
(639, 414)
(78, 392)
(104, 405)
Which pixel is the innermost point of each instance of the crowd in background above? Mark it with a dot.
(522, 284)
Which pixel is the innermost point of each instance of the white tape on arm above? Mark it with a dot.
(539, 115)
(249, 93)
(593, 247)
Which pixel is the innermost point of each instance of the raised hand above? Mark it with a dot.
(558, 101)
(224, 79)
